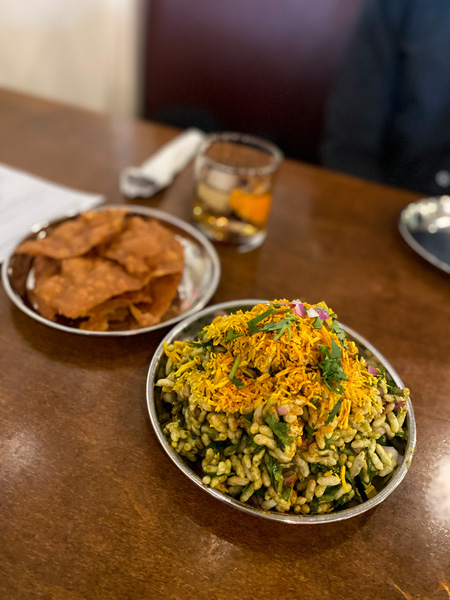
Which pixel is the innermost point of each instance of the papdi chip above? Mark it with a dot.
(76, 237)
(146, 245)
(101, 317)
(107, 269)
(84, 283)
(163, 291)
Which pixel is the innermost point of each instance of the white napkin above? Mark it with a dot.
(26, 200)
(158, 171)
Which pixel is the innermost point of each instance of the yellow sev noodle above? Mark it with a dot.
(272, 370)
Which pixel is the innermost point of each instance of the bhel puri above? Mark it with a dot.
(276, 407)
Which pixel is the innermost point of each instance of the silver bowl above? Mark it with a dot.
(198, 283)
(189, 328)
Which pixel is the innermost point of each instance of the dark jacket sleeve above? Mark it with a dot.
(360, 107)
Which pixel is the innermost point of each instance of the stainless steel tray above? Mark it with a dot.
(425, 226)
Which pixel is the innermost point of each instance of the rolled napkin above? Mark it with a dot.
(158, 171)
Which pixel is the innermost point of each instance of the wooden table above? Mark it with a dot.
(91, 506)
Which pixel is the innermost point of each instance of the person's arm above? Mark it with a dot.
(360, 106)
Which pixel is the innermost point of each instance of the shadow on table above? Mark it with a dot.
(86, 352)
(253, 533)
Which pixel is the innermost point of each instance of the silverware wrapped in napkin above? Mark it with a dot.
(158, 171)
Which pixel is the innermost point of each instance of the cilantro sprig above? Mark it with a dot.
(275, 472)
(253, 323)
(309, 431)
(232, 335)
(280, 327)
(336, 328)
(237, 382)
(334, 412)
(279, 430)
(331, 367)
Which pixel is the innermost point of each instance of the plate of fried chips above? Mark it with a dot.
(112, 271)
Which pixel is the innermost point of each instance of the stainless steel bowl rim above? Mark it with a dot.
(282, 517)
(404, 225)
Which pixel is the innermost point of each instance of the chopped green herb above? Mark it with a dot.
(237, 360)
(347, 451)
(200, 344)
(280, 326)
(334, 412)
(245, 488)
(280, 431)
(332, 371)
(309, 431)
(216, 446)
(275, 472)
(237, 382)
(229, 450)
(251, 442)
(232, 335)
(335, 350)
(317, 323)
(329, 493)
(318, 468)
(342, 500)
(252, 324)
(336, 329)
(371, 471)
(391, 386)
(286, 493)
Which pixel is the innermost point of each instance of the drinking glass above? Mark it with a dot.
(234, 177)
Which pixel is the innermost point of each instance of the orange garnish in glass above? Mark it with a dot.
(253, 208)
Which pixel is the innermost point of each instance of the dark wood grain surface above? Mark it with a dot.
(90, 505)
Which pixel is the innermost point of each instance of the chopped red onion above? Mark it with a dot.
(399, 405)
(282, 410)
(372, 370)
(312, 313)
(322, 314)
(299, 309)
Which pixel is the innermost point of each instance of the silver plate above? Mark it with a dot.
(425, 226)
(198, 283)
(189, 328)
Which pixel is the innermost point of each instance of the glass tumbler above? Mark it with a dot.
(234, 177)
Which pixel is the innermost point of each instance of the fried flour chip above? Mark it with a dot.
(77, 236)
(84, 283)
(146, 245)
(107, 269)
